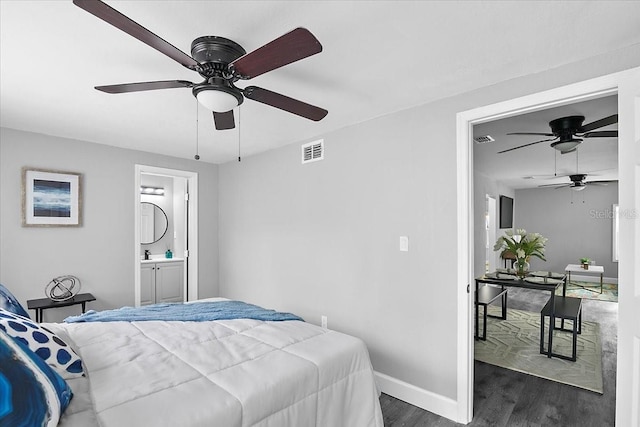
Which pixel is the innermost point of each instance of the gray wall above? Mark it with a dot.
(100, 252)
(483, 186)
(322, 239)
(577, 224)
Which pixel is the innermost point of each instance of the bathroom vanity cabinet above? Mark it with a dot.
(161, 281)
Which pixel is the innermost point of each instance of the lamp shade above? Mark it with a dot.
(566, 145)
(217, 100)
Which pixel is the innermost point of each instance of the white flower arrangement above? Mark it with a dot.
(523, 245)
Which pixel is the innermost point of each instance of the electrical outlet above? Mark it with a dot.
(323, 320)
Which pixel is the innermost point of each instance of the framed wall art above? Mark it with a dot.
(51, 198)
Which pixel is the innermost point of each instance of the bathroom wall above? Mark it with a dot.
(166, 203)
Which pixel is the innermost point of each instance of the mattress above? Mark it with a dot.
(224, 373)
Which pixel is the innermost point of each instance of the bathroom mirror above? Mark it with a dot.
(153, 223)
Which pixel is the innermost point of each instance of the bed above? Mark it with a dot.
(235, 372)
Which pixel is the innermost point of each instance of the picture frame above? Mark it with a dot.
(51, 198)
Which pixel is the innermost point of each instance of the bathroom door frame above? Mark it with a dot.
(191, 219)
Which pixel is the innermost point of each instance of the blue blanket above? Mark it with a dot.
(196, 312)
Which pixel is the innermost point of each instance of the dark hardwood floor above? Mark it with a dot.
(508, 398)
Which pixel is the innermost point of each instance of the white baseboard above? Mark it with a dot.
(429, 401)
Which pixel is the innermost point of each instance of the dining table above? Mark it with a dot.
(545, 281)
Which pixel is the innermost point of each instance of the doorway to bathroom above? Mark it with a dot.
(166, 235)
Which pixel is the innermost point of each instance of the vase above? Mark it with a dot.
(522, 268)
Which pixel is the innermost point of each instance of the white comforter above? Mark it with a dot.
(222, 373)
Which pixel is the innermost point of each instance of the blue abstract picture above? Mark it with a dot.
(51, 199)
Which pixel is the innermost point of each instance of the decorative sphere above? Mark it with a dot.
(197, 157)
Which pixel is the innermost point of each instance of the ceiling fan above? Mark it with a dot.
(221, 62)
(568, 132)
(577, 183)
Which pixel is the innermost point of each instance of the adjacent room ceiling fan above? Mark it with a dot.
(221, 62)
(577, 183)
(568, 132)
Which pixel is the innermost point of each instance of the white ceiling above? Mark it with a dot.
(537, 164)
(379, 57)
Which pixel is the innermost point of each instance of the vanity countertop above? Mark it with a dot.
(157, 260)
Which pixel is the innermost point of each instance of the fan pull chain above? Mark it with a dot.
(239, 123)
(197, 156)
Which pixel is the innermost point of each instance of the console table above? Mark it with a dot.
(593, 269)
(41, 304)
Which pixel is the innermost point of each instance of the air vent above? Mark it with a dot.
(483, 139)
(313, 151)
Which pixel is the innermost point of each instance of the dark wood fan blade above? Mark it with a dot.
(291, 47)
(554, 185)
(600, 123)
(601, 134)
(285, 103)
(531, 133)
(118, 20)
(224, 121)
(142, 86)
(526, 145)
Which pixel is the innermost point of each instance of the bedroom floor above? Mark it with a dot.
(508, 398)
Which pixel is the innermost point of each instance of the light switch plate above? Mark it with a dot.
(404, 243)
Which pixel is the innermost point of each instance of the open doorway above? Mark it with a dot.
(537, 178)
(626, 84)
(166, 235)
(491, 225)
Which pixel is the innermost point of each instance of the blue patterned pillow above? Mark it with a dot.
(31, 393)
(10, 303)
(44, 343)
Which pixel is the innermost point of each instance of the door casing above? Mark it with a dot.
(624, 84)
(191, 270)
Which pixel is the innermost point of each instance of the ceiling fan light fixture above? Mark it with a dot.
(566, 145)
(218, 100)
(578, 186)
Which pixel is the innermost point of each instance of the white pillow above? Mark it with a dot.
(50, 347)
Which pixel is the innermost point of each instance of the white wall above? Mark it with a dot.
(576, 224)
(100, 253)
(322, 239)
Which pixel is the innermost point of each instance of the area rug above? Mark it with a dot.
(592, 291)
(515, 344)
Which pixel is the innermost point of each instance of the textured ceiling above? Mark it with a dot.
(379, 57)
